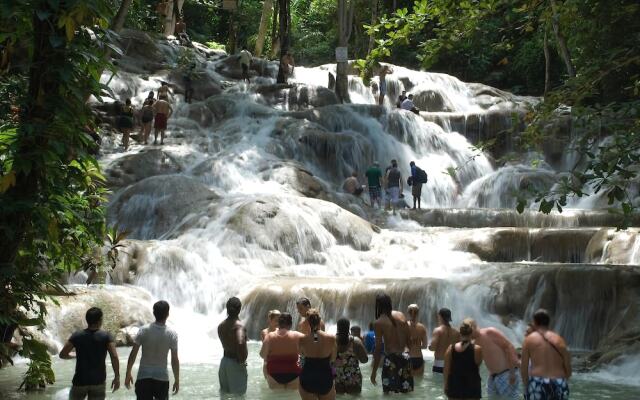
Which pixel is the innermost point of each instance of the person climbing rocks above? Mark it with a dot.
(181, 32)
(162, 112)
(442, 337)
(350, 354)
(188, 78)
(417, 179)
(550, 370)
(157, 340)
(163, 91)
(244, 57)
(401, 98)
(125, 122)
(280, 350)
(394, 185)
(462, 367)
(374, 182)
(417, 340)
(392, 329)
(382, 75)
(352, 186)
(501, 360)
(233, 366)
(147, 118)
(91, 347)
(408, 105)
(288, 64)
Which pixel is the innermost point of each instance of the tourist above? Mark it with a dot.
(163, 91)
(352, 186)
(408, 105)
(501, 360)
(418, 178)
(181, 32)
(125, 122)
(462, 367)
(417, 340)
(350, 353)
(272, 321)
(188, 77)
(244, 57)
(233, 366)
(394, 185)
(288, 64)
(401, 98)
(550, 362)
(370, 340)
(91, 346)
(156, 340)
(374, 182)
(391, 327)
(443, 337)
(303, 305)
(319, 348)
(280, 351)
(162, 112)
(382, 75)
(147, 119)
(356, 331)
(150, 97)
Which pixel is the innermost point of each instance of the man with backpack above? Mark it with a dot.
(418, 178)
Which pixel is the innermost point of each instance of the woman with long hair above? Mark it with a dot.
(350, 353)
(319, 349)
(461, 367)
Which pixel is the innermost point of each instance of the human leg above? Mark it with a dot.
(144, 389)
(78, 392)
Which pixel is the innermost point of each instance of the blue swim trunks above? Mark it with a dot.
(547, 389)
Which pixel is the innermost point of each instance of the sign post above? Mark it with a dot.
(342, 55)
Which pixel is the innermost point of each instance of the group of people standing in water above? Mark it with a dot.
(320, 365)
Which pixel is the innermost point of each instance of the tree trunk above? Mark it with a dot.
(285, 20)
(118, 21)
(374, 18)
(233, 32)
(169, 23)
(562, 42)
(264, 22)
(345, 26)
(275, 41)
(547, 63)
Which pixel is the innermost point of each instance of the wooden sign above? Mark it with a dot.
(342, 55)
(230, 5)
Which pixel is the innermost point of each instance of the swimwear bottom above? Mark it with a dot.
(438, 367)
(91, 392)
(396, 373)
(316, 376)
(374, 193)
(547, 389)
(498, 385)
(417, 362)
(284, 379)
(161, 121)
(233, 376)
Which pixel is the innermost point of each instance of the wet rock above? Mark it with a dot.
(155, 206)
(614, 247)
(132, 168)
(298, 178)
(141, 52)
(432, 101)
(230, 68)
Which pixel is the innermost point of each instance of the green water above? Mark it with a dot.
(200, 381)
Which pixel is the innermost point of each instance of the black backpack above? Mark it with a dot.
(421, 176)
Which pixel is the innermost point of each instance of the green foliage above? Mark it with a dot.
(214, 45)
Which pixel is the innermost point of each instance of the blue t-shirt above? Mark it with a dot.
(370, 342)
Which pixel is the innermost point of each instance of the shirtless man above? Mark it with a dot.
(233, 335)
(382, 75)
(280, 351)
(162, 111)
(441, 338)
(163, 91)
(303, 305)
(288, 65)
(391, 327)
(501, 360)
(550, 361)
(417, 340)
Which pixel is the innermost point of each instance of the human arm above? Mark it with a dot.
(115, 364)
(360, 351)
(508, 349)
(334, 351)
(566, 358)
(477, 355)
(241, 344)
(170, 112)
(377, 352)
(264, 350)
(65, 353)
(175, 367)
(425, 338)
(435, 338)
(447, 369)
(132, 359)
(524, 372)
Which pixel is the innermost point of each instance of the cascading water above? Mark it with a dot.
(245, 200)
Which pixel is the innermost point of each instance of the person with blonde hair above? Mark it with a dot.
(417, 340)
(272, 320)
(319, 349)
(462, 366)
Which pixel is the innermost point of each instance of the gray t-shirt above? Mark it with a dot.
(156, 340)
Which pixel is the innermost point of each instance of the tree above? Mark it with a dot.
(173, 10)
(345, 27)
(267, 7)
(284, 34)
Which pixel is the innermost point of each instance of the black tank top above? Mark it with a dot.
(464, 376)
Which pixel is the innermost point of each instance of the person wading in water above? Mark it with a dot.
(417, 340)
(233, 335)
(280, 351)
(319, 348)
(443, 337)
(462, 367)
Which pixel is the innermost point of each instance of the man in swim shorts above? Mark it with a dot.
(441, 338)
(162, 111)
(417, 340)
(550, 370)
(374, 182)
(394, 185)
(233, 335)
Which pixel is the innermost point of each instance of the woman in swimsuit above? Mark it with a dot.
(125, 123)
(319, 349)
(350, 354)
(461, 368)
(280, 350)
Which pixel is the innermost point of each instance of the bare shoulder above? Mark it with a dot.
(421, 327)
(557, 339)
(437, 331)
(399, 316)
